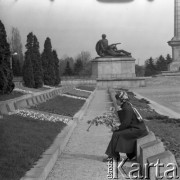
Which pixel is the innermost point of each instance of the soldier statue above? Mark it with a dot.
(103, 49)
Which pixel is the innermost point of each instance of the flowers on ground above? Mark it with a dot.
(22, 90)
(40, 116)
(108, 118)
(50, 87)
(71, 96)
(83, 90)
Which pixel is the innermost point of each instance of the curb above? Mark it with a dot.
(158, 107)
(30, 100)
(44, 165)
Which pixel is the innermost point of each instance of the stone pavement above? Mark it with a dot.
(82, 157)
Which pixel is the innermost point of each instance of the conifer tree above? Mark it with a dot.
(78, 66)
(37, 65)
(28, 75)
(6, 76)
(56, 67)
(168, 59)
(161, 64)
(150, 68)
(48, 63)
(68, 70)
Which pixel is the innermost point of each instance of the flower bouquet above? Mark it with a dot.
(109, 119)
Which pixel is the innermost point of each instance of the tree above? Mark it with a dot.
(68, 70)
(48, 63)
(16, 46)
(56, 67)
(150, 68)
(6, 76)
(161, 64)
(28, 74)
(16, 67)
(37, 65)
(78, 67)
(85, 57)
(168, 59)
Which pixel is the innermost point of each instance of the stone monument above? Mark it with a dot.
(175, 41)
(114, 68)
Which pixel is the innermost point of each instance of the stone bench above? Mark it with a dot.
(149, 149)
(165, 158)
(143, 140)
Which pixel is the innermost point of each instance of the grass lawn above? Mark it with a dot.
(22, 142)
(87, 88)
(61, 105)
(167, 129)
(13, 95)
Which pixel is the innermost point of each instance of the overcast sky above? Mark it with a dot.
(142, 26)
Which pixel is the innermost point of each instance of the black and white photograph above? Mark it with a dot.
(89, 89)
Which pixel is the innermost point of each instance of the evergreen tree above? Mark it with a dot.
(78, 67)
(48, 63)
(28, 75)
(56, 67)
(168, 59)
(68, 70)
(161, 64)
(16, 67)
(150, 68)
(37, 65)
(6, 76)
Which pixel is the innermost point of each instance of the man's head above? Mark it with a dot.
(103, 36)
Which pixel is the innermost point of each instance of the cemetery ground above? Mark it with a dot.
(27, 133)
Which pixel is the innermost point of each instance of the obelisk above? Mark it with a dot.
(175, 41)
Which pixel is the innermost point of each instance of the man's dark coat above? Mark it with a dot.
(124, 139)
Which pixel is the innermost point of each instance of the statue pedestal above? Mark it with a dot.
(116, 72)
(175, 65)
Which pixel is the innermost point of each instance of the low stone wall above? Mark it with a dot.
(79, 82)
(149, 151)
(31, 100)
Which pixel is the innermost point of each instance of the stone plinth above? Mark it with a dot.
(175, 41)
(116, 72)
(113, 67)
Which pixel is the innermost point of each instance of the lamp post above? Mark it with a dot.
(13, 54)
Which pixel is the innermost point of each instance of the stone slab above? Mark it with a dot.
(150, 149)
(30, 102)
(143, 140)
(21, 103)
(165, 158)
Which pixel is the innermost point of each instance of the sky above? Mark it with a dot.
(142, 26)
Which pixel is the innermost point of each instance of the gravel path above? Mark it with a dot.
(82, 157)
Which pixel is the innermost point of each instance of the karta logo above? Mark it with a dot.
(168, 171)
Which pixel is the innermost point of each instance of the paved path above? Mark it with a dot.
(82, 157)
